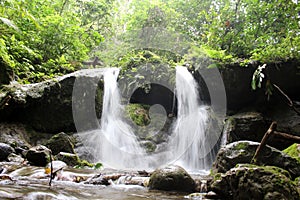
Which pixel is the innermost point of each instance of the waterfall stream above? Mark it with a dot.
(115, 144)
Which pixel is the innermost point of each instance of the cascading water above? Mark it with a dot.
(189, 131)
(115, 143)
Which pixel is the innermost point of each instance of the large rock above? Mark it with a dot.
(47, 106)
(245, 126)
(5, 150)
(171, 177)
(243, 151)
(60, 142)
(255, 182)
(253, 125)
(38, 155)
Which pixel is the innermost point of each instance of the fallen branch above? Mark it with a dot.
(290, 102)
(272, 131)
(293, 138)
(263, 142)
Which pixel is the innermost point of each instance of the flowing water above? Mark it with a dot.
(31, 183)
(115, 144)
(189, 132)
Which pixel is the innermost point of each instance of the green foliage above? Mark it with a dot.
(140, 68)
(42, 39)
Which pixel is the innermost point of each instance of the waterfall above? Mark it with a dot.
(188, 141)
(189, 145)
(114, 143)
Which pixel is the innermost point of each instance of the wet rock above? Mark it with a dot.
(47, 106)
(98, 179)
(255, 182)
(171, 177)
(15, 135)
(38, 155)
(60, 142)
(245, 126)
(5, 150)
(15, 158)
(57, 165)
(148, 146)
(69, 158)
(243, 151)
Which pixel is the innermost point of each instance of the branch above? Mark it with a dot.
(290, 102)
(263, 142)
(293, 138)
(272, 131)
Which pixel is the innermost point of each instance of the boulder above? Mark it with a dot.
(38, 155)
(47, 106)
(243, 151)
(255, 182)
(5, 150)
(171, 177)
(245, 126)
(69, 158)
(60, 142)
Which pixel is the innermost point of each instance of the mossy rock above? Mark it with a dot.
(242, 152)
(138, 113)
(69, 158)
(61, 142)
(171, 178)
(255, 182)
(293, 151)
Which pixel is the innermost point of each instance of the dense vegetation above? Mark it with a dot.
(42, 39)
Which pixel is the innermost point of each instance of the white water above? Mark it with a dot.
(116, 145)
(189, 132)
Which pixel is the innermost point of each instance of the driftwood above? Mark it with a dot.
(272, 131)
(290, 102)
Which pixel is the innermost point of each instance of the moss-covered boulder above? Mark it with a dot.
(245, 126)
(255, 182)
(243, 151)
(171, 177)
(48, 106)
(61, 142)
(69, 158)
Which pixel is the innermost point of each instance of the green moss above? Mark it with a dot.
(241, 145)
(138, 113)
(293, 151)
(83, 163)
(271, 169)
